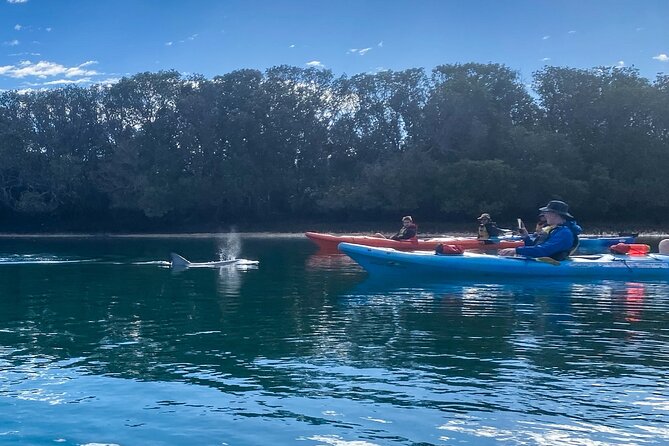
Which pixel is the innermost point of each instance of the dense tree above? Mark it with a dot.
(171, 150)
(472, 108)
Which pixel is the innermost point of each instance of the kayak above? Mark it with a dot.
(596, 244)
(330, 242)
(587, 244)
(390, 262)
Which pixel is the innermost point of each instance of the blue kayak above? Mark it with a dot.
(380, 261)
(596, 244)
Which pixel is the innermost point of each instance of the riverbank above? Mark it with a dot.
(297, 226)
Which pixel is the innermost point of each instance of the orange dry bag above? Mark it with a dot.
(632, 249)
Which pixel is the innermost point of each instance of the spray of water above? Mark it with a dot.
(230, 246)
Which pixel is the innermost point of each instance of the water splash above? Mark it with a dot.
(230, 246)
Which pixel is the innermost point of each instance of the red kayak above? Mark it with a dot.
(330, 241)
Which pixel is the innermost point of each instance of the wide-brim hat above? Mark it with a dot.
(557, 206)
(484, 215)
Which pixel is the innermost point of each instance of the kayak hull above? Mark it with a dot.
(393, 263)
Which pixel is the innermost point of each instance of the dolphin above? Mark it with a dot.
(176, 261)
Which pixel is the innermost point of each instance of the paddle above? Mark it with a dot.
(547, 260)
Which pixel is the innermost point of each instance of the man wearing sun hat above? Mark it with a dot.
(562, 239)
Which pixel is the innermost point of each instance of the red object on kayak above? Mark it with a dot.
(448, 250)
(632, 249)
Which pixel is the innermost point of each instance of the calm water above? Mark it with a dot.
(100, 343)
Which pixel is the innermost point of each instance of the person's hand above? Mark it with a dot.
(523, 232)
(507, 251)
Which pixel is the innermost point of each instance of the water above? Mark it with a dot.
(101, 343)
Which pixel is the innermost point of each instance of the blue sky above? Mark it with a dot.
(52, 43)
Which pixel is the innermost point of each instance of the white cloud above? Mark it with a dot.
(109, 81)
(189, 38)
(545, 37)
(380, 44)
(12, 42)
(18, 27)
(24, 54)
(83, 80)
(48, 29)
(313, 63)
(17, 1)
(662, 57)
(620, 64)
(291, 46)
(44, 69)
(545, 59)
(571, 32)
(360, 51)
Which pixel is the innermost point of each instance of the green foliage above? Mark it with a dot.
(292, 142)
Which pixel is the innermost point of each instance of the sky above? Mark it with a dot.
(54, 43)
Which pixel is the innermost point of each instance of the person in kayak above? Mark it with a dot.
(541, 224)
(541, 231)
(406, 232)
(488, 228)
(560, 240)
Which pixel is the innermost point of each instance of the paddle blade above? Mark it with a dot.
(549, 260)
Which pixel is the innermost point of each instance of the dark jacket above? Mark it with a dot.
(488, 230)
(406, 232)
(558, 244)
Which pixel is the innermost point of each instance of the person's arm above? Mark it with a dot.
(529, 239)
(493, 230)
(409, 232)
(560, 240)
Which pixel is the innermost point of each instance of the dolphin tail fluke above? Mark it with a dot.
(177, 261)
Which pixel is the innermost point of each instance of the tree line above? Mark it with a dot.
(167, 150)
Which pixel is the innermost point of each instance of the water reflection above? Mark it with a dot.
(325, 260)
(536, 318)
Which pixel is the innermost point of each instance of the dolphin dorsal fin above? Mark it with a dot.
(177, 260)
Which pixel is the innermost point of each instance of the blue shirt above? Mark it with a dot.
(560, 240)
